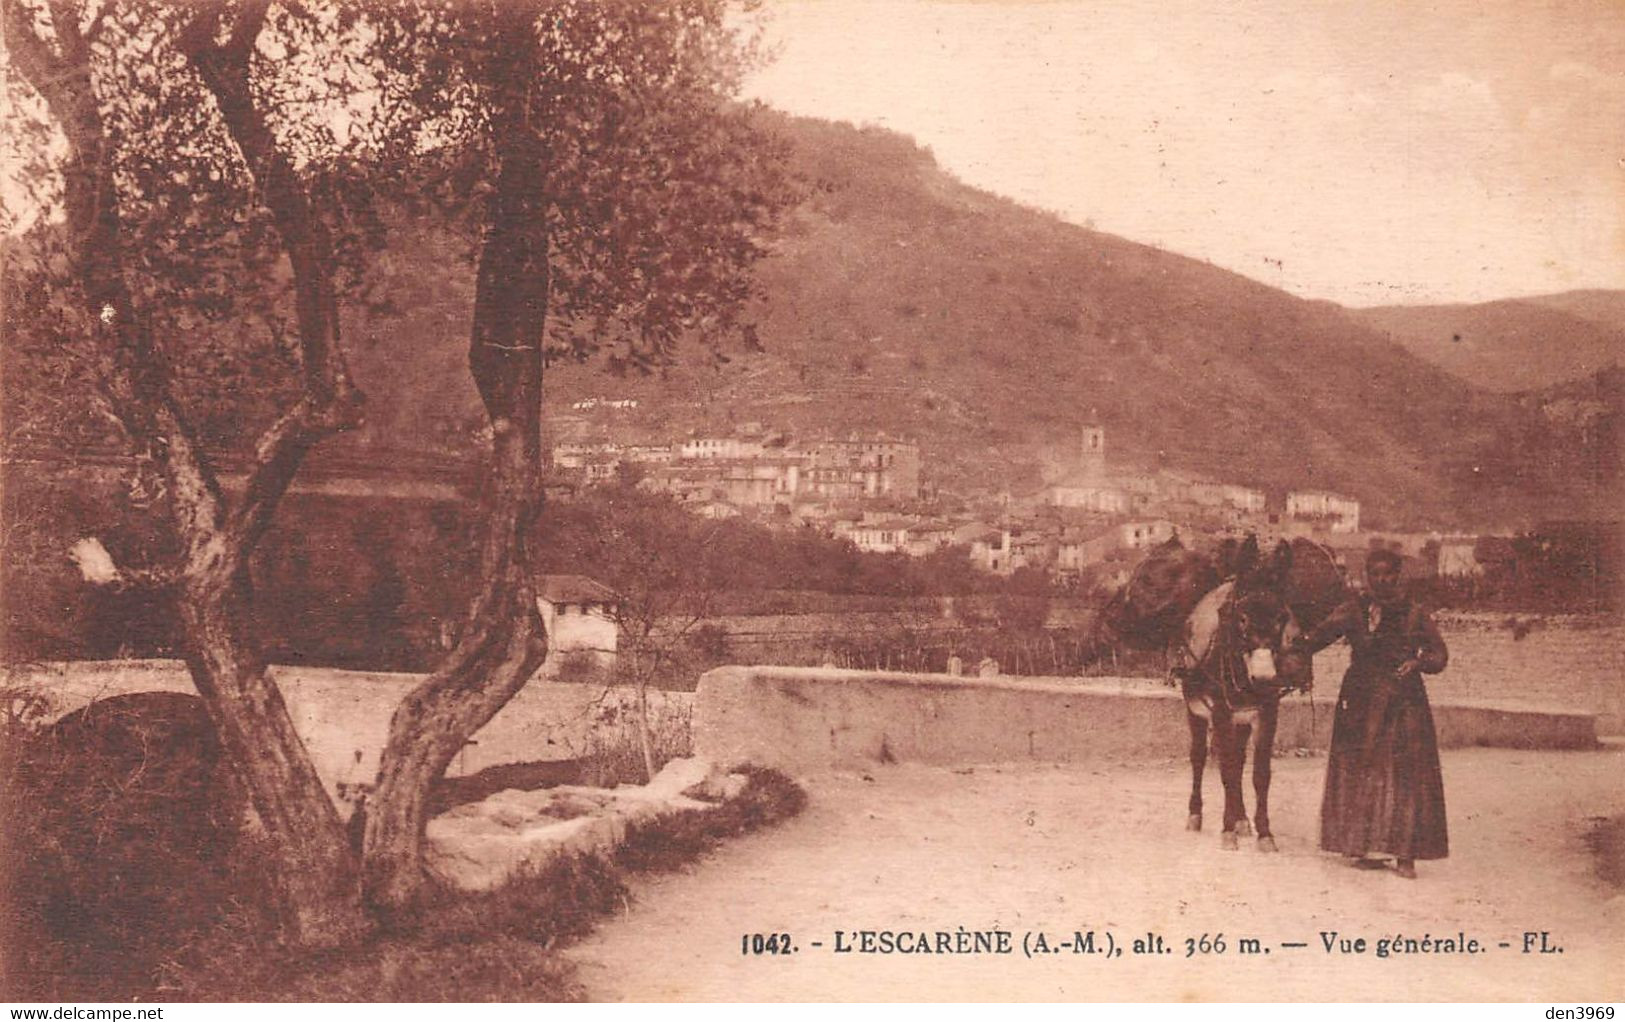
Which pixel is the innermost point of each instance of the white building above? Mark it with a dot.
(1088, 496)
(1092, 452)
(1242, 498)
(878, 537)
(578, 454)
(1145, 535)
(991, 552)
(707, 447)
(1339, 513)
(928, 537)
(649, 454)
(1073, 555)
(579, 615)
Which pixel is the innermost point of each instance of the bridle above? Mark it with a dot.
(1235, 687)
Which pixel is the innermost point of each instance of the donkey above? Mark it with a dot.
(1226, 623)
(1237, 665)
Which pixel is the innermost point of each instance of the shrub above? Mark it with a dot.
(675, 840)
(578, 667)
(614, 753)
(132, 877)
(120, 828)
(453, 946)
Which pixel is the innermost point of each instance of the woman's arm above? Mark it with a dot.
(1335, 626)
(1430, 654)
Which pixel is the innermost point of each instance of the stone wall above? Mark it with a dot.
(1571, 663)
(1555, 687)
(343, 716)
(801, 719)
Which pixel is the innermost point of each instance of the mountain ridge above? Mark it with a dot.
(1516, 344)
(896, 298)
(901, 299)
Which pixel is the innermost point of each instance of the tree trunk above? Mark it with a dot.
(645, 742)
(311, 865)
(503, 641)
(312, 870)
(501, 646)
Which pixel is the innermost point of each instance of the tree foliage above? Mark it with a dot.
(199, 250)
(660, 189)
(218, 169)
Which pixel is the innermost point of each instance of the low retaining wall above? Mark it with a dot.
(803, 719)
(343, 716)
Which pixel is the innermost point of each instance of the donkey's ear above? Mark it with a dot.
(1247, 556)
(1280, 563)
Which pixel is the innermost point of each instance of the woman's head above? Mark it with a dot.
(1382, 573)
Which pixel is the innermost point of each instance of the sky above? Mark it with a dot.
(1405, 152)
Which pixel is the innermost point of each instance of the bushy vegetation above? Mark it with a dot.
(132, 876)
(347, 582)
(120, 830)
(680, 838)
(610, 533)
(615, 755)
(373, 583)
(379, 584)
(1556, 567)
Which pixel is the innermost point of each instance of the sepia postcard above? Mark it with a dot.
(812, 501)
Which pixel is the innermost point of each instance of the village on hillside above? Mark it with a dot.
(1089, 519)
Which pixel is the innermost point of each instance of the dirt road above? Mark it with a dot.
(1061, 851)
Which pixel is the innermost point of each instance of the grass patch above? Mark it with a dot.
(614, 755)
(489, 946)
(680, 838)
(119, 836)
(495, 945)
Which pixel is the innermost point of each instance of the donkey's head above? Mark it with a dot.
(1258, 622)
(1255, 629)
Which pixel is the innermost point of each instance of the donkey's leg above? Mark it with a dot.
(1198, 726)
(1263, 753)
(1224, 744)
(1243, 738)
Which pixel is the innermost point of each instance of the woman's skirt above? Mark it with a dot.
(1384, 789)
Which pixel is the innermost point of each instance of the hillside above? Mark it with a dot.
(899, 299)
(1514, 345)
(902, 300)
(1606, 308)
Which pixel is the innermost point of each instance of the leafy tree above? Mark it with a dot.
(650, 190)
(611, 192)
(619, 202)
(156, 107)
(667, 568)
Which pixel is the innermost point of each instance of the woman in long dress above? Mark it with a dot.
(1384, 790)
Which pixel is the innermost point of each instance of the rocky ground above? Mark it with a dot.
(1059, 851)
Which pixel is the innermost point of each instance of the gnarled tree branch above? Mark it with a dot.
(136, 374)
(331, 401)
(311, 864)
